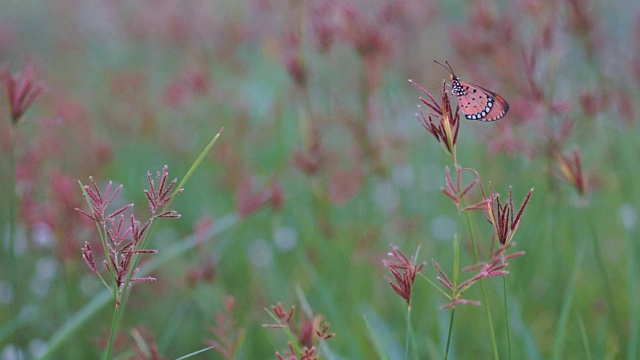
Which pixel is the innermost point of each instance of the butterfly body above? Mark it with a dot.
(476, 102)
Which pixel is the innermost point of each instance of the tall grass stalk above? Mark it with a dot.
(563, 319)
(12, 263)
(485, 299)
(625, 156)
(585, 338)
(121, 297)
(456, 275)
(408, 337)
(604, 274)
(634, 299)
(506, 313)
(449, 332)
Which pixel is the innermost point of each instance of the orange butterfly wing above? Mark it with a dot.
(478, 103)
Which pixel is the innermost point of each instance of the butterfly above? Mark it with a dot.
(476, 102)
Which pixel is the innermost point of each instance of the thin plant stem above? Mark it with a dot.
(605, 276)
(632, 349)
(13, 204)
(364, 136)
(585, 338)
(485, 299)
(112, 335)
(506, 313)
(629, 190)
(456, 273)
(406, 343)
(563, 318)
(446, 351)
(454, 157)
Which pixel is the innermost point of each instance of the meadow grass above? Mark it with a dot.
(323, 181)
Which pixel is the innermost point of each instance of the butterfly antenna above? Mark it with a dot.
(448, 67)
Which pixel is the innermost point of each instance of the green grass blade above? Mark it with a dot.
(195, 165)
(634, 299)
(521, 331)
(561, 331)
(585, 338)
(376, 331)
(195, 353)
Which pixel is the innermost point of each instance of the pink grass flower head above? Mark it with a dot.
(571, 168)
(122, 239)
(404, 271)
(322, 332)
(593, 102)
(455, 191)
(283, 317)
(87, 256)
(292, 60)
(306, 354)
(201, 272)
(366, 34)
(311, 161)
(249, 201)
(227, 336)
(122, 251)
(310, 331)
(323, 19)
(21, 91)
(99, 202)
(185, 87)
(161, 196)
(446, 125)
(503, 217)
(345, 184)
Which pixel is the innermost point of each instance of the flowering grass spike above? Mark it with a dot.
(21, 91)
(404, 271)
(571, 168)
(446, 125)
(503, 217)
(123, 238)
(304, 339)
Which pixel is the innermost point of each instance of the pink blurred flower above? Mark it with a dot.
(345, 184)
(21, 90)
(249, 201)
(571, 168)
(227, 336)
(184, 87)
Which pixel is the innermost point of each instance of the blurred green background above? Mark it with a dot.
(320, 167)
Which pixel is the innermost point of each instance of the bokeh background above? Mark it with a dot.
(321, 166)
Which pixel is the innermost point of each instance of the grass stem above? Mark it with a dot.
(446, 351)
(485, 299)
